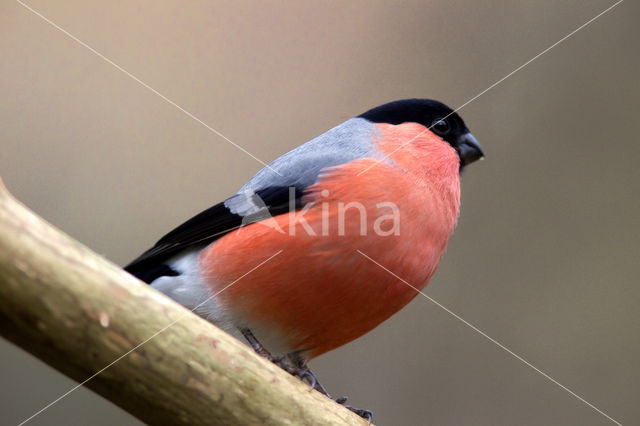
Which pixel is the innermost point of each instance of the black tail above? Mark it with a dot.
(149, 273)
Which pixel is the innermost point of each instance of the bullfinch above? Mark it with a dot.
(286, 262)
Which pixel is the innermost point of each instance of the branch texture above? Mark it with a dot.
(78, 313)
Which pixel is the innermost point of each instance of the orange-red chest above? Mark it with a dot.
(321, 291)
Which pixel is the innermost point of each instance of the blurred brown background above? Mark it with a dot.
(545, 258)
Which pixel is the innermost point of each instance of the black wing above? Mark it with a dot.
(208, 226)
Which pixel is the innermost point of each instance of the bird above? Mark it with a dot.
(316, 249)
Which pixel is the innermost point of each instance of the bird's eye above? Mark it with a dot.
(441, 127)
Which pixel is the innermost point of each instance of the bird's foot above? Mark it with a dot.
(301, 372)
(365, 414)
(307, 376)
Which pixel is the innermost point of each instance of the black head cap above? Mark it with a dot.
(434, 115)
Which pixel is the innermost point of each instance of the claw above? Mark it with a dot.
(301, 371)
(365, 414)
(309, 375)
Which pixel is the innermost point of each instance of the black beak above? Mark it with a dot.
(469, 149)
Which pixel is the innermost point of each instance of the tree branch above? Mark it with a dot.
(79, 313)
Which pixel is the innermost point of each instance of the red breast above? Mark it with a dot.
(320, 292)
